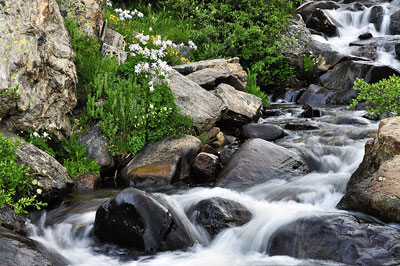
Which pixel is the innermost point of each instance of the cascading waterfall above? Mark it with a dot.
(352, 24)
(68, 229)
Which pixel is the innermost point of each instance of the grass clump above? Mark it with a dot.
(252, 88)
(383, 97)
(16, 187)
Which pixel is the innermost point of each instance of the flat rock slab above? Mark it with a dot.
(258, 161)
(162, 163)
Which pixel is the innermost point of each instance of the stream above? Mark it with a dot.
(333, 151)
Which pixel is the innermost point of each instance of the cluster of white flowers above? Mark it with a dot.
(126, 14)
(108, 3)
(45, 135)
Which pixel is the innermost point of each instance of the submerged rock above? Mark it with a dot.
(134, 219)
(218, 214)
(37, 57)
(162, 163)
(258, 161)
(338, 238)
(374, 188)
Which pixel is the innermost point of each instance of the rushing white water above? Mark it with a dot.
(336, 152)
(352, 24)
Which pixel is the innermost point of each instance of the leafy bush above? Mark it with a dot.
(249, 29)
(383, 96)
(16, 186)
(40, 141)
(252, 88)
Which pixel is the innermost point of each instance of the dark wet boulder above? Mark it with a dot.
(10, 220)
(306, 10)
(19, 250)
(97, 147)
(319, 21)
(262, 131)
(206, 167)
(374, 188)
(227, 153)
(86, 182)
(352, 120)
(315, 95)
(162, 163)
(310, 112)
(134, 219)
(340, 238)
(376, 17)
(365, 36)
(258, 161)
(218, 214)
(397, 49)
(300, 126)
(395, 23)
(355, 7)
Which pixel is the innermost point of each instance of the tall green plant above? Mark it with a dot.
(252, 88)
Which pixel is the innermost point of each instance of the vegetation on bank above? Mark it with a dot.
(382, 98)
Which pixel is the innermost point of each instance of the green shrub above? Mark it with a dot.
(16, 187)
(73, 157)
(383, 97)
(252, 88)
(40, 141)
(249, 29)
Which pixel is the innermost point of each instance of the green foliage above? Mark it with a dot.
(249, 29)
(309, 63)
(16, 186)
(74, 157)
(40, 141)
(383, 96)
(252, 88)
(11, 93)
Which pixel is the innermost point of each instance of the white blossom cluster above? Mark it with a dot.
(45, 135)
(126, 14)
(108, 3)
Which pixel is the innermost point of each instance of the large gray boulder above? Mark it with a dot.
(88, 13)
(258, 161)
(36, 56)
(162, 163)
(46, 170)
(242, 107)
(209, 78)
(134, 219)
(374, 188)
(113, 44)
(202, 106)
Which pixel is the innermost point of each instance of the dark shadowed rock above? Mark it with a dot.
(355, 7)
(315, 95)
(262, 131)
(376, 17)
(206, 167)
(19, 250)
(97, 147)
(300, 126)
(162, 163)
(374, 188)
(395, 23)
(365, 36)
(86, 182)
(310, 112)
(258, 161)
(12, 221)
(397, 49)
(307, 9)
(218, 214)
(340, 238)
(134, 219)
(319, 21)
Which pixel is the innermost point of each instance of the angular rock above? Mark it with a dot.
(12, 221)
(258, 161)
(19, 250)
(237, 76)
(395, 23)
(218, 214)
(340, 238)
(88, 13)
(319, 21)
(202, 106)
(36, 55)
(134, 219)
(376, 17)
(47, 170)
(113, 44)
(208, 78)
(86, 182)
(97, 147)
(242, 107)
(310, 112)
(206, 167)
(162, 163)
(315, 95)
(262, 131)
(306, 10)
(374, 188)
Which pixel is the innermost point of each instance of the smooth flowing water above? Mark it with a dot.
(352, 24)
(334, 152)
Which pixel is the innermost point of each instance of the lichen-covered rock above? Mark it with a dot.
(88, 13)
(113, 45)
(36, 57)
(162, 163)
(202, 106)
(47, 170)
(374, 188)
